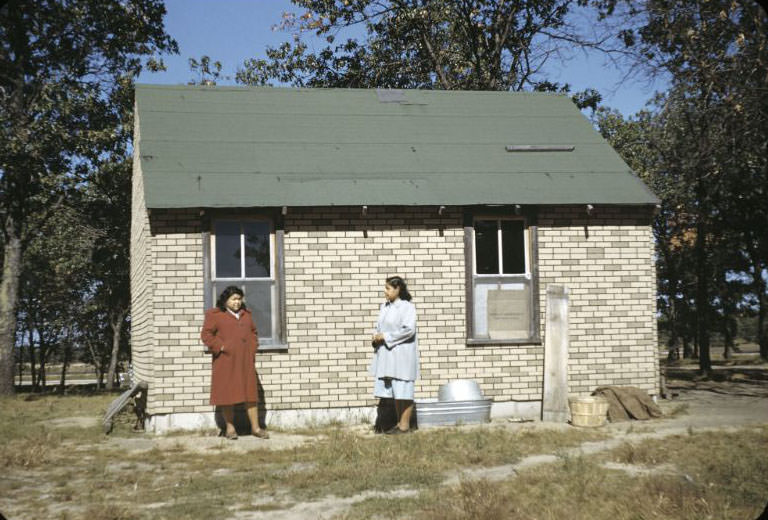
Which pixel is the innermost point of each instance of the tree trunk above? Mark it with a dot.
(673, 344)
(64, 366)
(44, 353)
(687, 350)
(41, 371)
(702, 299)
(759, 288)
(728, 336)
(32, 363)
(762, 334)
(96, 366)
(117, 326)
(21, 370)
(9, 294)
(34, 373)
(63, 378)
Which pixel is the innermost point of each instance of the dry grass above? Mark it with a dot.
(71, 472)
(732, 462)
(719, 476)
(29, 441)
(470, 499)
(347, 463)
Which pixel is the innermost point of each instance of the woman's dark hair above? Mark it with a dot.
(399, 283)
(221, 303)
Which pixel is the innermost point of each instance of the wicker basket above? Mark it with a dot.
(588, 411)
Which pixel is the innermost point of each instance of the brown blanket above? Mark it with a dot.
(628, 402)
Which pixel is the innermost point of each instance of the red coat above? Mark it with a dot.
(233, 372)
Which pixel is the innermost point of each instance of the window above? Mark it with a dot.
(502, 306)
(500, 247)
(247, 253)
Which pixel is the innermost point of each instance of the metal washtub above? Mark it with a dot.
(459, 402)
(460, 390)
(430, 412)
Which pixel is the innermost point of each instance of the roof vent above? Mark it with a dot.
(540, 147)
(388, 95)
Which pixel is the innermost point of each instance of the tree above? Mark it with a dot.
(208, 72)
(60, 63)
(54, 278)
(109, 211)
(461, 45)
(708, 140)
(642, 144)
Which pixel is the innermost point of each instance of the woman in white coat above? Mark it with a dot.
(395, 364)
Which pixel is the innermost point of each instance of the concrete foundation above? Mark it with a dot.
(165, 423)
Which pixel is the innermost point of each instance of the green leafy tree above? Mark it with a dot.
(75, 295)
(108, 209)
(707, 141)
(461, 45)
(54, 278)
(208, 72)
(61, 62)
(642, 143)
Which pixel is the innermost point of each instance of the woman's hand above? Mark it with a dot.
(377, 340)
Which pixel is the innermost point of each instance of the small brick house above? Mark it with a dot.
(310, 198)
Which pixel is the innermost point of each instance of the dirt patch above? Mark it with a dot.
(734, 380)
(637, 470)
(327, 507)
(201, 443)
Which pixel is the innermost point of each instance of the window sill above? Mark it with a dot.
(502, 342)
(273, 348)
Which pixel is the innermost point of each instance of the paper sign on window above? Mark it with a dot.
(508, 313)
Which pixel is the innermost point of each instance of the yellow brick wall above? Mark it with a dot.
(182, 369)
(142, 333)
(606, 261)
(336, 260)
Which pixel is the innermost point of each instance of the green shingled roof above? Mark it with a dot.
(243, 147)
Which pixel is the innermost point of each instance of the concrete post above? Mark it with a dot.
(554, 405)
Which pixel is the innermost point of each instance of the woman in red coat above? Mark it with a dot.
(230, 335)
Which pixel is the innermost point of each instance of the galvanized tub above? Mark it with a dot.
(460, 390)
(430, 412)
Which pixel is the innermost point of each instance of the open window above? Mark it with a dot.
(502, 304)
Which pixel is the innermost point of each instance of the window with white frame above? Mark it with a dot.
(502, 293)
(243, 253)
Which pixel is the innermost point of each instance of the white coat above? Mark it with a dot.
(398, 358)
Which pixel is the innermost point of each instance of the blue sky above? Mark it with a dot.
(232, 31)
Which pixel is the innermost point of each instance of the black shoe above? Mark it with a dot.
(397, 431)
